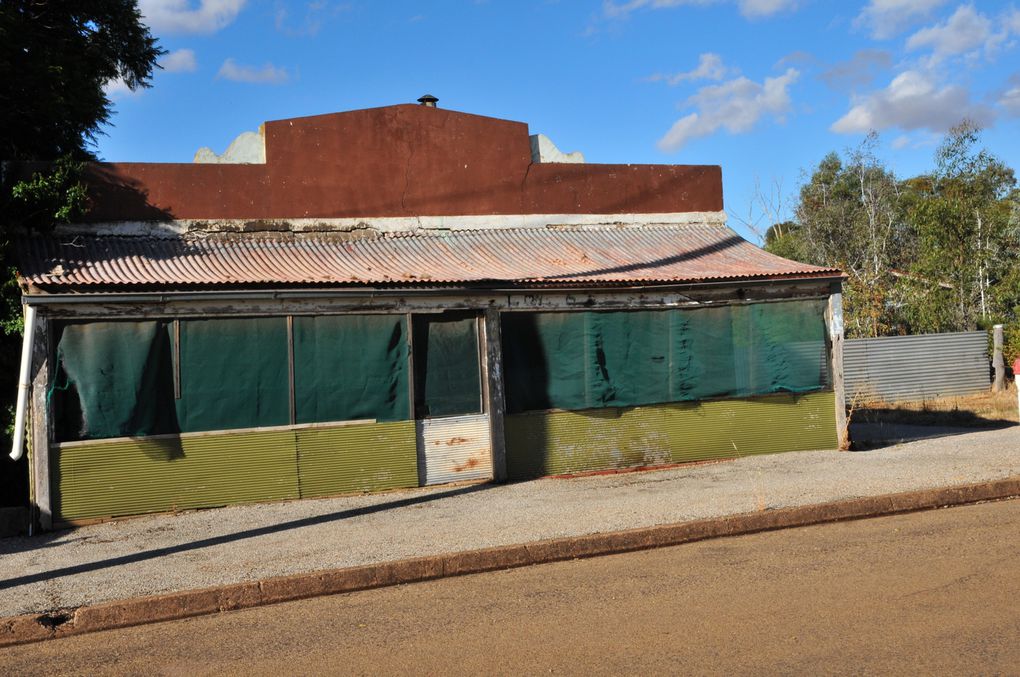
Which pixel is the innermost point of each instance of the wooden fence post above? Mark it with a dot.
(834, 317)
(997, 362)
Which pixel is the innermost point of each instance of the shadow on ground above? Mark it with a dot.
(42, 541)
(877, 429)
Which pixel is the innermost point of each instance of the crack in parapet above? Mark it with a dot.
(524, 182)
(407, 179)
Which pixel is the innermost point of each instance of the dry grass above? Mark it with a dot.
(984, 409)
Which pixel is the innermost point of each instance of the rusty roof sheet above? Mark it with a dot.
(560, 256)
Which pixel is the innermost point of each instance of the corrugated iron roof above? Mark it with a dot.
(561, 256)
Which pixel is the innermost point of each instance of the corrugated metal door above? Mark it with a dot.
(451, 449)
(452, 426)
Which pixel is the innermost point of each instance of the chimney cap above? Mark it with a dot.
(428, 100)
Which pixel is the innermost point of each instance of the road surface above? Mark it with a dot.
(931, 593)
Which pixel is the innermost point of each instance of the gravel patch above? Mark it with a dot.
(165, 553)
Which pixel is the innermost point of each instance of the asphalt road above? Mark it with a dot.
(928, 593)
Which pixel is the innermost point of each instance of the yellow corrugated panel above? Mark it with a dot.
(578, 441)
(368, 457)
(130, 477)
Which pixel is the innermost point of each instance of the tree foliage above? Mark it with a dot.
(936, 252)
(56, 59)
(56, 56)
(961, 216)
(849, 217)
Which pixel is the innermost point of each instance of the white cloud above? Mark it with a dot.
(1010, 99)
(186, 16)
(912, 101)
(179, 61)
(710, 67)
(118, 89)
(886, 18)
(753, 8)
(268, 74)
(967, 31)
(1011, 21)
(916, 140)
(736, 105)
(749, 8)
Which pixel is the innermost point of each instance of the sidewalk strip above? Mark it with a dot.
(172, 606)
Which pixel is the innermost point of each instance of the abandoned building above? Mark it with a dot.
(406, 296)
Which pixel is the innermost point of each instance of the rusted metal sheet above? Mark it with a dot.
(455, 448)
(559, 256)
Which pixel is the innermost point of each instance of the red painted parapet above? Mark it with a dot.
(401, 160)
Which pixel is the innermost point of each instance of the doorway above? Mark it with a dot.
(451, 417)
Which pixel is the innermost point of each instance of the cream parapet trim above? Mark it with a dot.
(389, 224)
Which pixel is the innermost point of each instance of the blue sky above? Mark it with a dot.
(763, 88)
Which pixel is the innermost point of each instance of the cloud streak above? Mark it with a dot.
(179, 61)
(710, 67)
(913, 101)
(887, 18)
(267, 74)
(859, 71)
(118, 89)
(752, 9)
(1010, 99)
(736, 106)
(967, 32)
(184, 16)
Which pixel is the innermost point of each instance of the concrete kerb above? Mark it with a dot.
(142, 610)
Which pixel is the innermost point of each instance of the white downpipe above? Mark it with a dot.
(24, 384)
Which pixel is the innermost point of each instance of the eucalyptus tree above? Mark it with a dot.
(964, 218)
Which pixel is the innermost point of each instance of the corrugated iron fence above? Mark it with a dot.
(926, 366)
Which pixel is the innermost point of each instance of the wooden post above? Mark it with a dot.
(834, 319)
(292, 395)
(497, 397)
(997, 362)
(39, 451)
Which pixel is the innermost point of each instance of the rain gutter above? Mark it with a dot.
(271, 295)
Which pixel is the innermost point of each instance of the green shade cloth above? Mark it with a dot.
(350, 367)
(233, 374)
(447, 379)
(114, 379)
(704, 354)
(584, 360)
(631, 352)
(544, 365)
(790, 340)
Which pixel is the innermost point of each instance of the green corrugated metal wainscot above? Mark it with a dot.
(353, 458)
(560, 442)
(131, 476)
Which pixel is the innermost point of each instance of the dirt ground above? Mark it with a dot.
(977, 411)
(925, 593)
